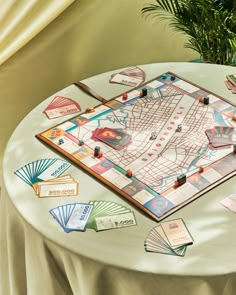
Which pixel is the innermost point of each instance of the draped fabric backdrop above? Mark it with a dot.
(21, 20)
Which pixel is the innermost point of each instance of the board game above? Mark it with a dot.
(160, 145)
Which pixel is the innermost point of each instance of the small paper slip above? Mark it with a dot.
(229, 202)
(72, 217)
(115, 221)
(57, 187)
(177, 233)
(61, 106)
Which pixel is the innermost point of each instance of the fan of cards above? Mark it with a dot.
(61, 106)
(98, 215)
(110, 215)
(41, 170)
(220, 137)
(57, 187)
(133, 76)
(72, 217)
(170, 237)
(231, 82)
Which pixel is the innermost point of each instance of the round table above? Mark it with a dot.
(39, 258)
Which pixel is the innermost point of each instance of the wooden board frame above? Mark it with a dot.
(120, 191)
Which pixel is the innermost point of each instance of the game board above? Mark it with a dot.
(141, 153)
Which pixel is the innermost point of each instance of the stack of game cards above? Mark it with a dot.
(72, 217)
(231, 82)
(61, 106)
(170, 237)
(115, 138)
(220, 137)
(109, 215)
(57, 187)
(42, 169)
(133, 76)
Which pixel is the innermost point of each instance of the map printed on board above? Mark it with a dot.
(141, 142)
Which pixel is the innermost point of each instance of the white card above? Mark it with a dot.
(115, 221)
(229, 202)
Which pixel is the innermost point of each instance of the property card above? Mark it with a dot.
(229, 202)
(115, 221)
(177, 233)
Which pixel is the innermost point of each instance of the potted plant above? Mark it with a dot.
(209, 24)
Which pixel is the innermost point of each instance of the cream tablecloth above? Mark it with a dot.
(37, 257)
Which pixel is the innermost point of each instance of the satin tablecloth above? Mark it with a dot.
(37, 257)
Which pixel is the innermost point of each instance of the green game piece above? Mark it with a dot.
(164, 76)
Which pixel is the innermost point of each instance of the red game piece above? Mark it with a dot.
(100, 154)
(201, 99)
(234, 118)
(129, 173)
(201, 169)
(90, 110)
(176, 184)
(124, 96)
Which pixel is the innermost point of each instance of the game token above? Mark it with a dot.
(176, 184)
(100, 154)
(60, 141)
(90, 110)
(129, 173)
(181, 179)
(201, 169)
(164, 76)
(201, 99)
(144, 91)
(81, 142)
(206, 100)
(179, 128)
(124, 96)
(234, 146)
(96, 151)
(172, 78)
(153, 135)
(234, 118)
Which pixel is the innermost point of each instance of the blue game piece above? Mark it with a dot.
(60, 141)
(164, 76)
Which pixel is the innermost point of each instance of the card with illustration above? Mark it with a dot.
(115, 138)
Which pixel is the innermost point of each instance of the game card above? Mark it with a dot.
(177, 233)
(115, 221)
(229, 202)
